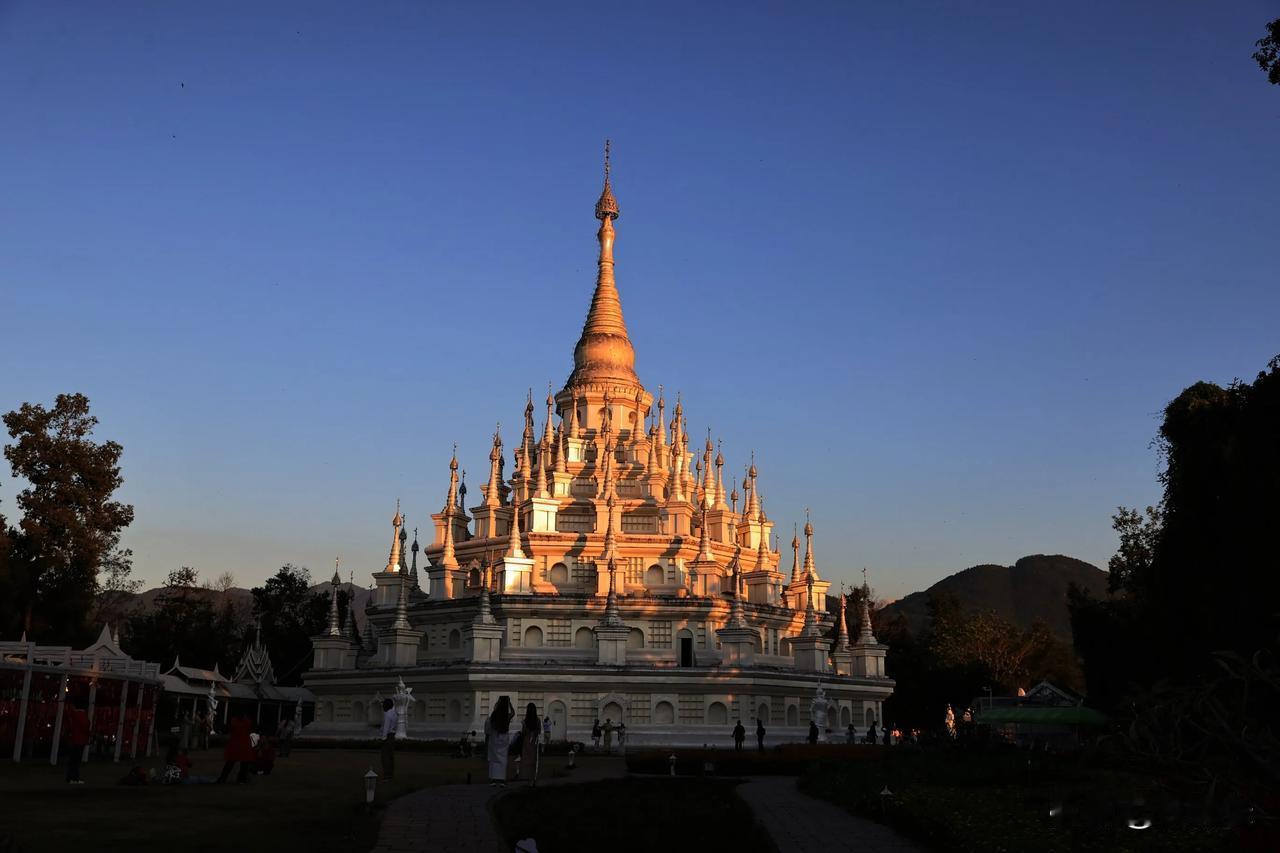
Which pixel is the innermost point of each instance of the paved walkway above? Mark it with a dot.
(457, 818)
(798, 822)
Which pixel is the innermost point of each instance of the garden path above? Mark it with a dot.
(457, 818)
(798, 822)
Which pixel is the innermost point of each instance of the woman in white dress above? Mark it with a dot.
(497, 729)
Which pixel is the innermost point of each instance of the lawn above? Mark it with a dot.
(313, 801)
(959, 800)
(634, 815)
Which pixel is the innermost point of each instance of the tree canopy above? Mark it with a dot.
(1268, 54)
(49, 561)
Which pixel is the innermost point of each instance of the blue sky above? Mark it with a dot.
(941, 265)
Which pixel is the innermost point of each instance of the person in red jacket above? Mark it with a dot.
(77, 740)
(239, 748)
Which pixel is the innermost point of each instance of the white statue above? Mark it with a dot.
(403, 701)
(818, 709)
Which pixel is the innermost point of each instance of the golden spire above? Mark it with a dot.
(842, 638)
(809, 571)
(493, 494)
(448, 557)
(393, 561)
(513, 534)
(795, 555)
(604, 352)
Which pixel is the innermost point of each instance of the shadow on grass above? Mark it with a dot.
(313, 801)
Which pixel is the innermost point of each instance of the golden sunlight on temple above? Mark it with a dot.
(615, 573)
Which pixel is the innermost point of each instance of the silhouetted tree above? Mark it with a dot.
(69, 522)
(1186, 646)
(185, 623)
(1268, 53)
(290, 615)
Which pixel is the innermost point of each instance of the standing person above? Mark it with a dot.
(389, 721)
(497, 730)
(202, 730)
(851, 735)
(77, 740)
(871, 733)
(608, 735)
(885, 735)
(595, 735)
(546, 732)
(622, 738)
(184, 731)
(530, 731)
(239, 748)
(285, 736)
(759, 734)
(813, 732)
(739, 735)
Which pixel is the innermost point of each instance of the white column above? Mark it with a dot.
(124, 698)
(22, 706)
(57, 721)
(137, 723)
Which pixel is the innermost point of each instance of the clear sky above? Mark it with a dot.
(940, 264)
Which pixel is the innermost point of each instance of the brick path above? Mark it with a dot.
(798, 822)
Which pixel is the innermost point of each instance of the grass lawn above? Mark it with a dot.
(313, 801)
(635, 814)
(961, 801)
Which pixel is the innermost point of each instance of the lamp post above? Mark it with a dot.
(370, 785)
(573, 753)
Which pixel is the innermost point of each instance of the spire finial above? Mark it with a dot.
(607, 206)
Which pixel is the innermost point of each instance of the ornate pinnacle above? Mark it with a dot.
(607, 206)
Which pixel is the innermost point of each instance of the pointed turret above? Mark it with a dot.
(404, 538)
(865, 635)
(484, 613)
(810, 618)
(334, 629)
(604, 353)
(737, 617)
(402, 605)
(842, 636)
(719, 502)
(393, 561)
(612, 614)
(513, 533)
(795, 555)
(413, 566)
(493, 491)
(810, 572)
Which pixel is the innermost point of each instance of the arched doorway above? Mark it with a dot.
(559, 720)
(793, 715)
(357, 711)
(584, 639)
(846, 717)
(532, 637)
(869, 717)
(375, 712)
(655, 576)
(664, 714)
(326, 712)
(454, 714)
(717, 714)
(455, 639)
(762, 712)
(559, 573)
(684, 646)
(635, 639)
(612, 711)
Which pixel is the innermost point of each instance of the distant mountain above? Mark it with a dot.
(1033, 588)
